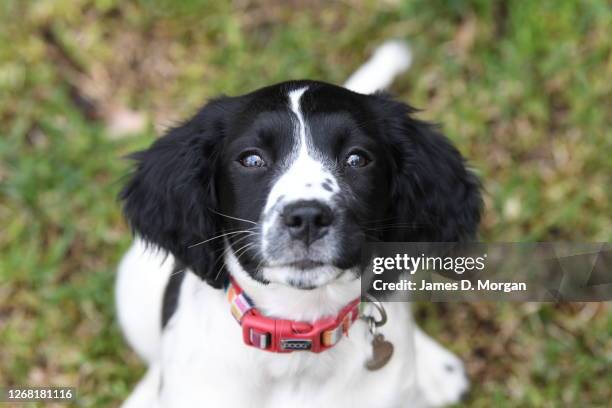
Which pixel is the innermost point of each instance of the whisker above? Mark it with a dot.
(221, 236)
(225, 251)
(376, 221)
(395, 223)
(407, 227)
(244, 249)
(233, 218)
(176, 272)
(259, 264)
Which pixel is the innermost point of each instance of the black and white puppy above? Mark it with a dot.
(280, 189)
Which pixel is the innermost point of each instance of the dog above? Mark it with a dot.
(259, 205)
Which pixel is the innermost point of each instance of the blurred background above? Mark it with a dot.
(523, 88)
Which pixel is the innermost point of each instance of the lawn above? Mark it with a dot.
(524, 88)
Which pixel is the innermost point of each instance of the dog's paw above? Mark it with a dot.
(440, 374)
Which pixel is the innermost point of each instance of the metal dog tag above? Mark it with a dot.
(382, 350)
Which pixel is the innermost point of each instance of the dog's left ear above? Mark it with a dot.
(171, 199)
(435, 198)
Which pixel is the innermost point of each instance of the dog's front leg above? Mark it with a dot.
(440, 374)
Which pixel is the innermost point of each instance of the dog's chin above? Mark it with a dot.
(303, 274)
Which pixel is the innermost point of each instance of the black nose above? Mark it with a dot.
(307, 220)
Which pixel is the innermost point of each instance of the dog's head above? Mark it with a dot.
(293, 179)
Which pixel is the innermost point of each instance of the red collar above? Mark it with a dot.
(285, 336)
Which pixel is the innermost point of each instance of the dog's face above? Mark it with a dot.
(309, 170)
(294, 179)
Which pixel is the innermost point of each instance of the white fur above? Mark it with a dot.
(143, 275)
(203, 361)
(200, 359)
(389, 60)
(441, 375)
(146, 392)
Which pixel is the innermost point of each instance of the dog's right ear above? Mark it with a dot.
(434, 194)
(171, 197)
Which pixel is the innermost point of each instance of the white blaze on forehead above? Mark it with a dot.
(306, 178)
(294, 100)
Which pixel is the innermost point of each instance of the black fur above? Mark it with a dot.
(432, 190)
(171, 293)
(169, 198)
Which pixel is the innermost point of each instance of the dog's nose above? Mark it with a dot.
(307, 221)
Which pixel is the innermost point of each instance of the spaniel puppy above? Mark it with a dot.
(241, 287)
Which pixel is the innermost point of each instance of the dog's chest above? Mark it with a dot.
(205, 360)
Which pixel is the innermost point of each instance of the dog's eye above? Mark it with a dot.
(356, 160)
(252, 160)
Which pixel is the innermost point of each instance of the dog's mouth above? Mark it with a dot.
(306, 264)
(302, 274)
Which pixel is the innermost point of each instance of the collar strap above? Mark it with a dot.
(285, 336)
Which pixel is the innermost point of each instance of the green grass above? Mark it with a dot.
(523, 88)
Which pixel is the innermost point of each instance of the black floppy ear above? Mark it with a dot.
(435, 198)
(170, 195)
